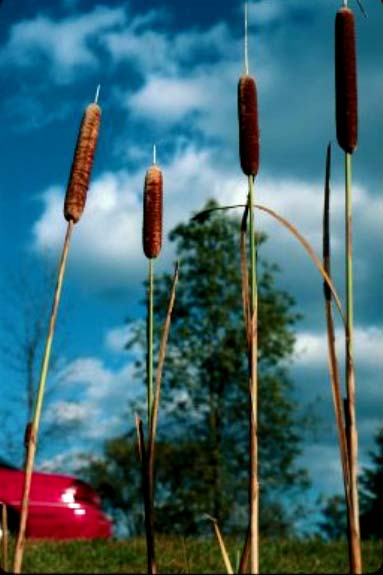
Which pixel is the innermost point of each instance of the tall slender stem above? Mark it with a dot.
(4, 529)
(254, 484)
(32, 445)
(148, 500)
(349, 271)
(149, 357)
(351, 432)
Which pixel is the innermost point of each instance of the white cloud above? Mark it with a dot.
(147, 52)
(311, 348)
(272, 12)
(102, 392)
(67, 413)
(168, 99)
(106, 244)
(91, 372)
(135, 40)
(117, 338)
(108, 237)
(153, 51)
(69, 461)
(65, 44)
(266, 12)
(200, 98)
(100, 382)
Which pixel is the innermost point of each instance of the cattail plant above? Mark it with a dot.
(152, 242)
(249, 159)
(347, 135)
(73, 207)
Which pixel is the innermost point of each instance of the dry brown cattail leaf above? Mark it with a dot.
(248, 125)
(152, 227)
(346, 80)
(82, 163)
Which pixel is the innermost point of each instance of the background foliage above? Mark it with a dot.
(202, 461)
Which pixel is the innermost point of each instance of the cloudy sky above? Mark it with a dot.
(168, 72)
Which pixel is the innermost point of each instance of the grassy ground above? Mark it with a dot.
(179, 555)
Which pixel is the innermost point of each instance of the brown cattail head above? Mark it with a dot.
(248, 125)
(152, 228)
(82, 163)
(346, 81)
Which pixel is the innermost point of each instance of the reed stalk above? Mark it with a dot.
(32, 444)
(245, 278)
(147, 454)
(346, 99)
(4, 542)
(333, 360)
(254, 482)
(334, 368)
(152, 242)
(244, 556)
(249, 160)
(148, 499)
(150, 327)
(351, 428)
(161, 360)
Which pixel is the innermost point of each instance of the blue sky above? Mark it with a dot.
(169, 73)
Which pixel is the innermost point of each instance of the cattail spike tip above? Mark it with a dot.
(97, 94)
(246, 40)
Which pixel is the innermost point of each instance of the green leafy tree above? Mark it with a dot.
(334, 525)
(202, 447)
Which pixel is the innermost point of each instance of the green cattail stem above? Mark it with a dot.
(150, 326)
(254, 484)
(349, 273)
(31, 449)
(351, 429)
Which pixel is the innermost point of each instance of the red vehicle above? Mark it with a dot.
(61, 506)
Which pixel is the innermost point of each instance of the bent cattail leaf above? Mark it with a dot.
(82, 163)
(346, 80)
(248, 125)
(152, 227)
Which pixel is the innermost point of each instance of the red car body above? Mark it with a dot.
(60, 506)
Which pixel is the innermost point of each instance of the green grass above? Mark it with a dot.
(191, 555)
